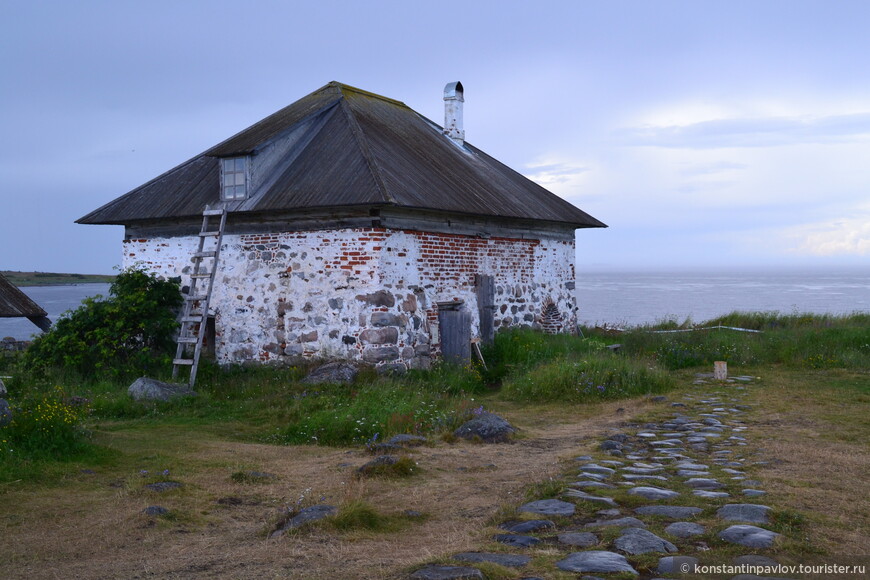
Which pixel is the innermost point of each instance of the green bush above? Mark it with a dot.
(44, 426)
(129, 333)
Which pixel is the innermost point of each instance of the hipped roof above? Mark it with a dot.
(16, 304)
(341, 147)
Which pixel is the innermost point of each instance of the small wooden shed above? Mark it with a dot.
(16, 304)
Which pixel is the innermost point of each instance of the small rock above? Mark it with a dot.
(749, 536)
(685, 529)
(744, 512)
(488, 427)
(638, 541)
(378, 462)
(753, 492)
(447, 573)
(5, 413)
(549, 507)
(338, 372)
(309, 514)
(145, 389)
(579, 539)
(509, 560)
(155, 510)
(406, 440)
(595, 561)
(162, 486)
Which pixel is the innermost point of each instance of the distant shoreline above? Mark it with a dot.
(22, 279)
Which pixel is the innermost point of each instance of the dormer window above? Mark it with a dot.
(234, 178)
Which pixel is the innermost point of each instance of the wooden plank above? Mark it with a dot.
(485, 291)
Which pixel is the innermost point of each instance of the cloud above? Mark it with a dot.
(549, 174)
(849, 236)
(750, 132)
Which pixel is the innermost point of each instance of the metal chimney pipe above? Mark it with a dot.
(453, 101)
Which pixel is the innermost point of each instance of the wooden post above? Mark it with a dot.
(720, 370)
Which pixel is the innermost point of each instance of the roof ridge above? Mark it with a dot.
(362, 143)
(343, 87)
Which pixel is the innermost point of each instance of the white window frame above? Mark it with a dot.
(235, 178)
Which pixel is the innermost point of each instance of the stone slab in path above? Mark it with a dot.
(509, 560)
(650, 492)
(580, 539)
(447, 573)
(669, 511)
(744, 512)
(676, 565)
(685, 529)
(628, 522)
(527, 526)
(595, 561)
(516, 540)
(549, 507)
(638, 541)
(749, 536)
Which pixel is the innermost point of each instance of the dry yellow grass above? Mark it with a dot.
(218, 528)
(92, 526)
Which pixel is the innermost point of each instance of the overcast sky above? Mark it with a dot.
(703, 133)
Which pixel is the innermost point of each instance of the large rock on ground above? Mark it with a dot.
(145, 389)
(487, 427)
(334, 372)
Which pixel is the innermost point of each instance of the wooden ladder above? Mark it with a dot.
(194, 314)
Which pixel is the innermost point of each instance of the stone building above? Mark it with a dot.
(355, 226)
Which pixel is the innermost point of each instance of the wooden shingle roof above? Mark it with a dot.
(16, 304)
(344, 147)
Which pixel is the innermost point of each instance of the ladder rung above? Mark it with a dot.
(204, 254)
(182, 361)
(201, 275)
(186, 340)
(209, 234)
(213, 212)
(195, 298)
(191, 319)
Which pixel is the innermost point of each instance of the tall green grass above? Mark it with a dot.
(536, 367)
(795, 340)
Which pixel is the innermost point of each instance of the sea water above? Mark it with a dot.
(632, 298)
(622, 298)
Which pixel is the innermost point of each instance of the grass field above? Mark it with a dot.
(80, 513)
(53, 278)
